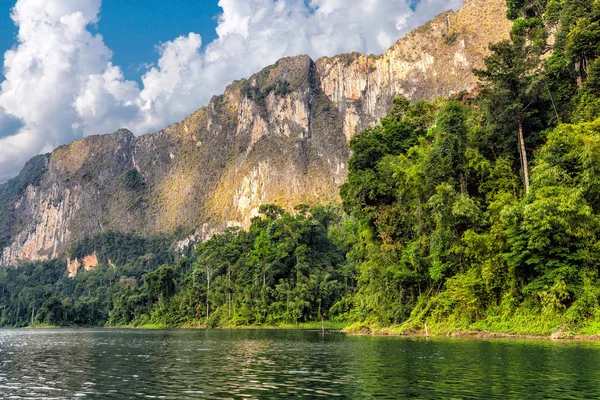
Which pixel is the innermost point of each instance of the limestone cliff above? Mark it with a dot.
(278, 137)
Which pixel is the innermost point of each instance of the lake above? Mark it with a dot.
(197, 364)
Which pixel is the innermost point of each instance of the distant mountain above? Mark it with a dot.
(279, 137)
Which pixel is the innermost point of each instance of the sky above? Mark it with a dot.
(73, 68)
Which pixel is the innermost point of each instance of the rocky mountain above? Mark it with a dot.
(278, 137)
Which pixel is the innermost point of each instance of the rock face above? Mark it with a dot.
(88, 263)
(278, 137)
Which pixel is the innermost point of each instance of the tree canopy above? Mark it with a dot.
(477, 212)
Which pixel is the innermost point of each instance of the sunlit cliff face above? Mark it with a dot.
(279, 137)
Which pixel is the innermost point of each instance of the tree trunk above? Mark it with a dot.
(579, 68)
(207, 293)
(524, 163)
(229, 288)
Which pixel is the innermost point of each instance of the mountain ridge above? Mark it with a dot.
(279, 136)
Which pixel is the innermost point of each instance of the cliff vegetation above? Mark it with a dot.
(279, 137)
(479, 211)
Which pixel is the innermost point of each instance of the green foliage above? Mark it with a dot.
(525, 8)
(515, 8)
(513, 101)
(437, 229)
(281, 88)
(43, 294)
(122, 248)
(132, 179)
(445, 235)
(284, 270)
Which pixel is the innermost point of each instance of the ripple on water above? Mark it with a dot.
(98, 364)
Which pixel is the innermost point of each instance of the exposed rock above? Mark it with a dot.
(127, 283)
(88, 263)
(279, 137)
(435, 60)
(558, 334)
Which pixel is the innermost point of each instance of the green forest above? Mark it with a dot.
(476, 213)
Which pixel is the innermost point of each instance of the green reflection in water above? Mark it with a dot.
(180, 364)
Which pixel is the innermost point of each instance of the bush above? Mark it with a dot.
(132, 180)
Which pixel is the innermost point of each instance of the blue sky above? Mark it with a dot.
(7, 28)
(133, 28)
(85, 67)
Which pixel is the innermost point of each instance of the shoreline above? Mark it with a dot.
(558, 336)
(328, 326)
(355, 331)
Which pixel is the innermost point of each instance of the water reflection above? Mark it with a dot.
(65, 364)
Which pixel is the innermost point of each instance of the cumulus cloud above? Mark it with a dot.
(61, 85)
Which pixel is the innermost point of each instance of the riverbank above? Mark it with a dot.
(316, 325)
(362, 330)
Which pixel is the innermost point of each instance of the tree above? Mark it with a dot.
(512, 86)
(132, 179)
(161, 283)
(579, 34)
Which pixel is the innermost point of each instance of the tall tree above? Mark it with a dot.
(583, 45)
(512, 87)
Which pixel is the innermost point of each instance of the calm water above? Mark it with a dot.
(120, 364)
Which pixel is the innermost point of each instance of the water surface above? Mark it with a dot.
(181, 364)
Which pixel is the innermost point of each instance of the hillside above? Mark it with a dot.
(473, 214)
(278, 137)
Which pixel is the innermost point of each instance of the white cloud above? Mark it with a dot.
(61, 85)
